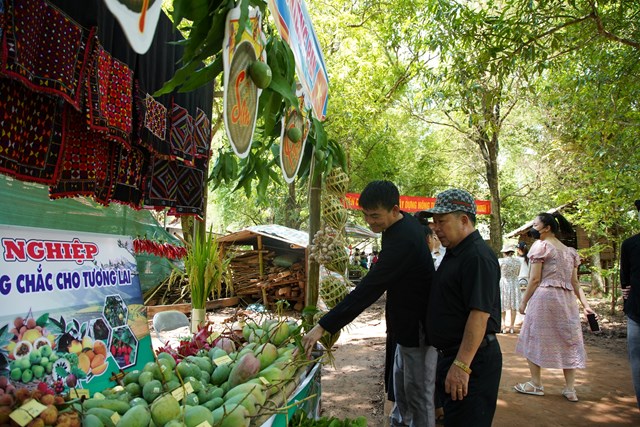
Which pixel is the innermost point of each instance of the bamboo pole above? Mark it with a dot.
(313, 270)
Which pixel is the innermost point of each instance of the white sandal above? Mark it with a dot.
(529, 388)
(570, 395)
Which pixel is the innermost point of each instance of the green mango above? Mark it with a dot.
(164, 409)
(152, 390)
(220, 374)
(197, 415)
(104, 414)
(138, 416)
(92, 421)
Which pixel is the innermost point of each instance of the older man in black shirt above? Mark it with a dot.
(404, 270)
(464, 314)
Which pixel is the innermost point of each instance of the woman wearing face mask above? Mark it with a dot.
(551, 334)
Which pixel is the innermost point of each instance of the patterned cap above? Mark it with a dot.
(508, 248)
(453, 200)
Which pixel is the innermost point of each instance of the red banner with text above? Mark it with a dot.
(417, 203)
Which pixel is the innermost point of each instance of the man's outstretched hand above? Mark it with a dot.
(310, 339)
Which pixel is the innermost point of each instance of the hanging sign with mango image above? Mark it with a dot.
(295, 128)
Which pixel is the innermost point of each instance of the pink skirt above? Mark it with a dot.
(551, 334)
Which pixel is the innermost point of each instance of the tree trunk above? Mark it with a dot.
(495, 220)
(597, 284)
(614, 287)
(292, 210)
(487, 138)
(489, 151)
(187, 224)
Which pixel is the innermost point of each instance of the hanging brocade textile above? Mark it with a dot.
(88, 161)
(110, 97)
(155, 126)
(73, 117)
(182, 144)
(45, 50)
(30, 134)
(162, 183)
(202, 133)
(128, 176)
(190, 195)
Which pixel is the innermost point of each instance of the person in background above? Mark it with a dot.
(551, 334)
(374, 259)
(433, 243)
(464, 314)
(438, 251)
(522, 251)
(630, 284)
(405, 271)
(510, 295)
(356, 257)
(363, 261)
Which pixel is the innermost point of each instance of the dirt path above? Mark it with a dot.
(355, 386)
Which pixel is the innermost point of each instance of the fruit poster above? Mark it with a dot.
(241, 93)
(72, 310)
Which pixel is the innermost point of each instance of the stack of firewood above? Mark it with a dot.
(276, 283)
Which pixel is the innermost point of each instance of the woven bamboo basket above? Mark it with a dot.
(333, 212)
(337, 182)
(338, 264)
(332, 291)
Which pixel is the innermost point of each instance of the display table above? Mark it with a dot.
(310, 388)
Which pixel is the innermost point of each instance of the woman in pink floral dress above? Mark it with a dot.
(551, 334)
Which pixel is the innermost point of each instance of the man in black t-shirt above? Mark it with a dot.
(404, 270)
(464, 314)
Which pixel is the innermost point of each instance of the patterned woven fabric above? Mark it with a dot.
(87, 166)
(97, 95)
(1, 18)
(30, 134)
(139, 111)
(128, 183)
(162, 183)
(110, 97)
(156, 118)
(155, 130)
(190, 193)
(182, 143)
(45, 49)
(202, 133)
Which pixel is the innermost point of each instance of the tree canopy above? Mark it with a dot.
(531, 104)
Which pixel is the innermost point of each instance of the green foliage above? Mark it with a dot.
(300, 419)
(530, 103)
(205, 32)
(591, 98)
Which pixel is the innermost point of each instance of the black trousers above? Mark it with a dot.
(479, 406)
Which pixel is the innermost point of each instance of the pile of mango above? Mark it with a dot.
(224, 386)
